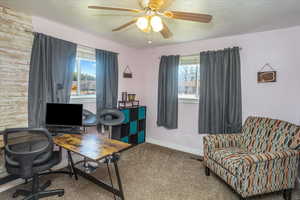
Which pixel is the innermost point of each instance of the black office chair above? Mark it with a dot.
(28, 152)
(89, 119)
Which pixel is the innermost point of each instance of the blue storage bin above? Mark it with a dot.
(141, 137)
(133, 128)
(125, 139)
(142, 113)
(127, 115)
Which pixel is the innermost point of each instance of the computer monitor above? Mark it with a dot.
(64, 115)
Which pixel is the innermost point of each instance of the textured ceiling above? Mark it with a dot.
(231, 17)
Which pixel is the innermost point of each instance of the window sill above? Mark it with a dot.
(83, 99)
(188, 101)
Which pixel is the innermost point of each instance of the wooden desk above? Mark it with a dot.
(91, 146)
(94, 147)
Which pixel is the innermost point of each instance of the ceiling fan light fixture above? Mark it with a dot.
(151, 20)
(156, 23)
(142, 23)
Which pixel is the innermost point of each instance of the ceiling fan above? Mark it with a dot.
(149, 17)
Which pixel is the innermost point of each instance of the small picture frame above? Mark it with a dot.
(267, 77)
(264, 76)
(127, 73)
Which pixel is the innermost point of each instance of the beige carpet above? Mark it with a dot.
(150, 172)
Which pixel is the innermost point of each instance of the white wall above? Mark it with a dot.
(280, 100)
(280, 48)
(126, 54)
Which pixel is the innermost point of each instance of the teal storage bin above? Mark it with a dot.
(133, 128)
(141, 137)
(125, 139)
(127, 115)
(142, 113)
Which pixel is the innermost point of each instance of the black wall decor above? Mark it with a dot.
(127, 72)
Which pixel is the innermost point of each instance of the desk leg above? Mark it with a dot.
(116, 192)
(110, 178)
(72, 165)
(115, 161)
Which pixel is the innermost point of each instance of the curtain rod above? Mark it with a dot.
(199, 53)
(32, 32)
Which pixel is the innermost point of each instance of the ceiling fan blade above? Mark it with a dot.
(125, 25)
(197, 17)
(114, 15)
(166, 33)
(118, 9)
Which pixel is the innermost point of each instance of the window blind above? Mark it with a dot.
(86, 53)
(190, 60)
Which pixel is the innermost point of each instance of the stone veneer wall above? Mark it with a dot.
(15, 50)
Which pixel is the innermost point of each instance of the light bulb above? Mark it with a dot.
(142, 23)
(156, 24)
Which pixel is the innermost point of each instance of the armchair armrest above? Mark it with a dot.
(212, 142)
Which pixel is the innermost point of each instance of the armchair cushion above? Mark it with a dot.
(229, 158)
(238, 161)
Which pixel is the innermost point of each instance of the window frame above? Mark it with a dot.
(192, 100)
(77, 66)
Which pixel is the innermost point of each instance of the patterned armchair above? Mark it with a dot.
(262, 159)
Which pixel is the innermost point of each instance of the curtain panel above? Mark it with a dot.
(50, 77)
(220, 104)
(106, 79)
(167, 110)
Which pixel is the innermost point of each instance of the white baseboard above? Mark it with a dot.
(174, 146)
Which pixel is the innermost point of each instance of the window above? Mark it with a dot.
(84, 76)
(188, 77)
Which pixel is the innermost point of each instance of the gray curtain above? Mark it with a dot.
(167, 110)
(106, 79)
(50, 77)
(220, 105)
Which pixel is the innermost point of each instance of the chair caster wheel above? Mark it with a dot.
(15, 195)
(60, 195)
